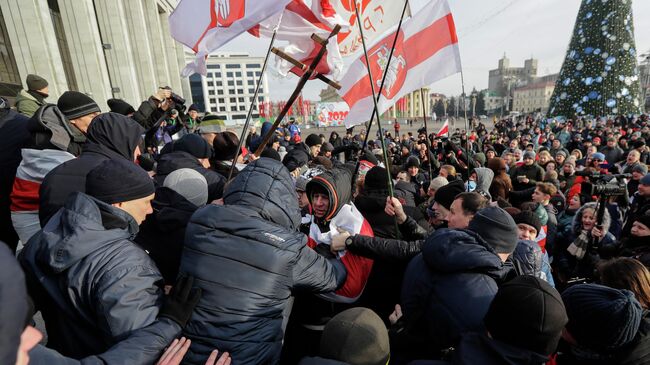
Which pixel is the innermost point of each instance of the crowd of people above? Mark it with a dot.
(525, 242)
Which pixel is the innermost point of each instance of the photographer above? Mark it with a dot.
(640, 205)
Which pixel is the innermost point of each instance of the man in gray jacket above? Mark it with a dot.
(92, 284)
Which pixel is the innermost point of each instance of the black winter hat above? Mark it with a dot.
(225, 146)
(528, 313)
(529, 218)
(496, 227)
(313, 140)
(376, 179)
(412, 162)
(120, 106)
(638, 143)
(117, 181)
(356, 336)
(35, 82)
(194, 145)
(602, 318)
(296, 158)
(327, 147)
(271, 153)
(193, 107)
(446, 194)
(74, 104)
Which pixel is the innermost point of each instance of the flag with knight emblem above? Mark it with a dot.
(425, 52)
(206, 25)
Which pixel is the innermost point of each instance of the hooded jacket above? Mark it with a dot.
(484, 178)
(110, 136)
(27, 103)
(248, 257)
(92, 284)
(501, 184)
(448, 288)
(172, 161)
(163, 232)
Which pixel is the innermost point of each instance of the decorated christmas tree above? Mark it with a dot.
(599, 76)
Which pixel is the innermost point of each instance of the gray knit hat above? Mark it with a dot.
(35, 82)
(529, 154)
(497, 228)
(190, 184)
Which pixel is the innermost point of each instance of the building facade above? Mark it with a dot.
(504, 79)
(104, 48)
(534, 97)
(329, 95)
(410, 106)
(228, 88)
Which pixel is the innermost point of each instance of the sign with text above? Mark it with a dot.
(331, 114)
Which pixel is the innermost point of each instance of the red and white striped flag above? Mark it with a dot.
(426, 51)
(206, 25)
(297, 23)
(444, 130)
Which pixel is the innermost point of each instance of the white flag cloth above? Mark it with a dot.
(426, 51)
(297, 23)
(206, 25)
(444, 130)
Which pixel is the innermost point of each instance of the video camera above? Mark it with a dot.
(602, 184)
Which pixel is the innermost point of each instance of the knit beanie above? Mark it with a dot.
(117, 181)
(301, 184)
(74, 104)
(35, 82)
(271, 153)
(640, 168)
(312, 140)
(602, 318)
(598, 156)
(120, 106)
(327, 147)
(529, 154)
(412, 162)
(438, 182)
(225, 146)
(376, 179)
(529, 218)
(295, 158)
(194, 145)
(323, 161)
(528, 313)
(645, 180)
(193, 107)
(356, 336)
(446, 194)
(211, 124)
(190, 184)
(496, 227)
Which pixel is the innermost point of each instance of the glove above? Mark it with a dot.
(179, 304)
(162, 94)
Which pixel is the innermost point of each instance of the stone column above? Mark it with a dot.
(185, 81)
(172, 57)
(34, 44)
(140, 47)
(156, 43)
(86, 53)
(119, 55)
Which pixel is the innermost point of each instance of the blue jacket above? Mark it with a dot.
(92, 284)
(248, 257)
(451, 284)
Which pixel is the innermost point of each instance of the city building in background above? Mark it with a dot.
(534, 97)
(329, 95)
(229, 86)
(505, 78)
(104, 48)
(409, 106)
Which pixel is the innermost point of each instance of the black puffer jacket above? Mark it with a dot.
(172, 161)
(110, 136)
(248, 257)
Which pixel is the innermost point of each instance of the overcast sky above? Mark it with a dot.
(487, 30)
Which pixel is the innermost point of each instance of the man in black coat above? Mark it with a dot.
(13, 135)
(110, 136)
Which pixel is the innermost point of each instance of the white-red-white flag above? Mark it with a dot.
(444, 130)
(206, 25)
(426, 51)
(296, 25)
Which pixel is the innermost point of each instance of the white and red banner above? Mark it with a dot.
(426, 51)
(297, 23)
(331, 114)
(376, 17)
(444, 131)
(206, 25)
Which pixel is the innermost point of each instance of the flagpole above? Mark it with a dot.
(467, 149)
(250, 109)
(381, 87)
(426, 132)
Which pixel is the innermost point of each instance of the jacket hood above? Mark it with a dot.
(172, 161)
(171, 209)
(406, 191)
(266, 187)
(337, 182)
(50, 129)
(77, 230)
(459, 250)
(527, 258)
(114, 133)
(484, 178)
(576, 224)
